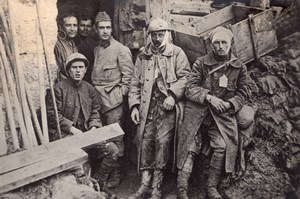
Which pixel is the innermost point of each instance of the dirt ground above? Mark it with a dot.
(272, 160)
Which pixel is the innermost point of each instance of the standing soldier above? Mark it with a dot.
(65, 45)
(216, 92)
(111, 77)
(157, 87)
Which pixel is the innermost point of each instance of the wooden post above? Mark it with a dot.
(34, 117)
(12, 86)
(21, 79)
(48, 71)
(3, 144)
(42, 87)
(10, 113)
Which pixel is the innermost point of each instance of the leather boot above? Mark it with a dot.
(145, 187)
(182, 184)
(215, 173)
(158, 176)
(114, 178)
(106, 167)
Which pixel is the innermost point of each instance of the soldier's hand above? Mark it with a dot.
(169, 103)
(102, 148)
(218, 104)
(75, 131)
(135, 115)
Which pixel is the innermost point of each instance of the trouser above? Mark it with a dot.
(113, 116)
(159, 131)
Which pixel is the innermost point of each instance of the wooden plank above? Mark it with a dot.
(193, 45)
(190, 8)
(203, 25)
(37, 154)
(40, 170)
(265, 33)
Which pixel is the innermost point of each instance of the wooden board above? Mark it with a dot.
(265, 34)
(38, 154)
(248, 42)
(201, 26)
(68, 159)
(193, 46)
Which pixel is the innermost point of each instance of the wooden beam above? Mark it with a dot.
(39, 170)
(40, 153)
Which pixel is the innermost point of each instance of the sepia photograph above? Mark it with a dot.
(150, 99)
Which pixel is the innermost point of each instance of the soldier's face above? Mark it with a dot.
(70, 26)
(77, 71)
(104, 30)
(157, 37)
(85, 27)
(221, 46)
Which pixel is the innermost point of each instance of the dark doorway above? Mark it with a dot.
(86, 7)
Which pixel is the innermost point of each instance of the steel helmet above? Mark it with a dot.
(73, 58)
(157, 24)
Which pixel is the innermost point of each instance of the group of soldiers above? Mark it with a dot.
(168, 99)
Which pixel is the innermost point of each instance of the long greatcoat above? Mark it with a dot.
(174, 67)
(198, 86)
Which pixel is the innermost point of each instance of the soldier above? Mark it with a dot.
(65, 45)
(78, 110)
(216, 92)
(86, 42)
(157, 87)
(76, 101)
(111, 77)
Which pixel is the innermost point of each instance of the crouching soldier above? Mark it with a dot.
(78, 111)
(156, 90)
(216, 92)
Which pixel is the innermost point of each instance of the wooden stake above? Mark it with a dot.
(42, 87)
(48, 71)
(12, 86)
(3, 144)
(34, 117)
(21, 79)
(10, 113)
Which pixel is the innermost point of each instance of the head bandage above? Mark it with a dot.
(220, 33)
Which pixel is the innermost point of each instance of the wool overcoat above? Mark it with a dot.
(174, 67)
(200, 83)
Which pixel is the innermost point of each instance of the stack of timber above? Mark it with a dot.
(30, 165)
(253, 29)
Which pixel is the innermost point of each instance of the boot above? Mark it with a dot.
(114, 179)
(145, 187)
(106, 167)
(215, 174)
(182, 184)
(156, 184)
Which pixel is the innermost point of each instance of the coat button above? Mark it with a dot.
(145, 91)
(144, 101)
(147, 80)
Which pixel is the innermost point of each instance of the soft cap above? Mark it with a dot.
(102, 16)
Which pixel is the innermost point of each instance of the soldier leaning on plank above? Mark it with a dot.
(78, 110)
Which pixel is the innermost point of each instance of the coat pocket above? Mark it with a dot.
(111, 71)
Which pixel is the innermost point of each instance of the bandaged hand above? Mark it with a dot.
(169, 103)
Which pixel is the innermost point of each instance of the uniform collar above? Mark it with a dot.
(107, 43)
